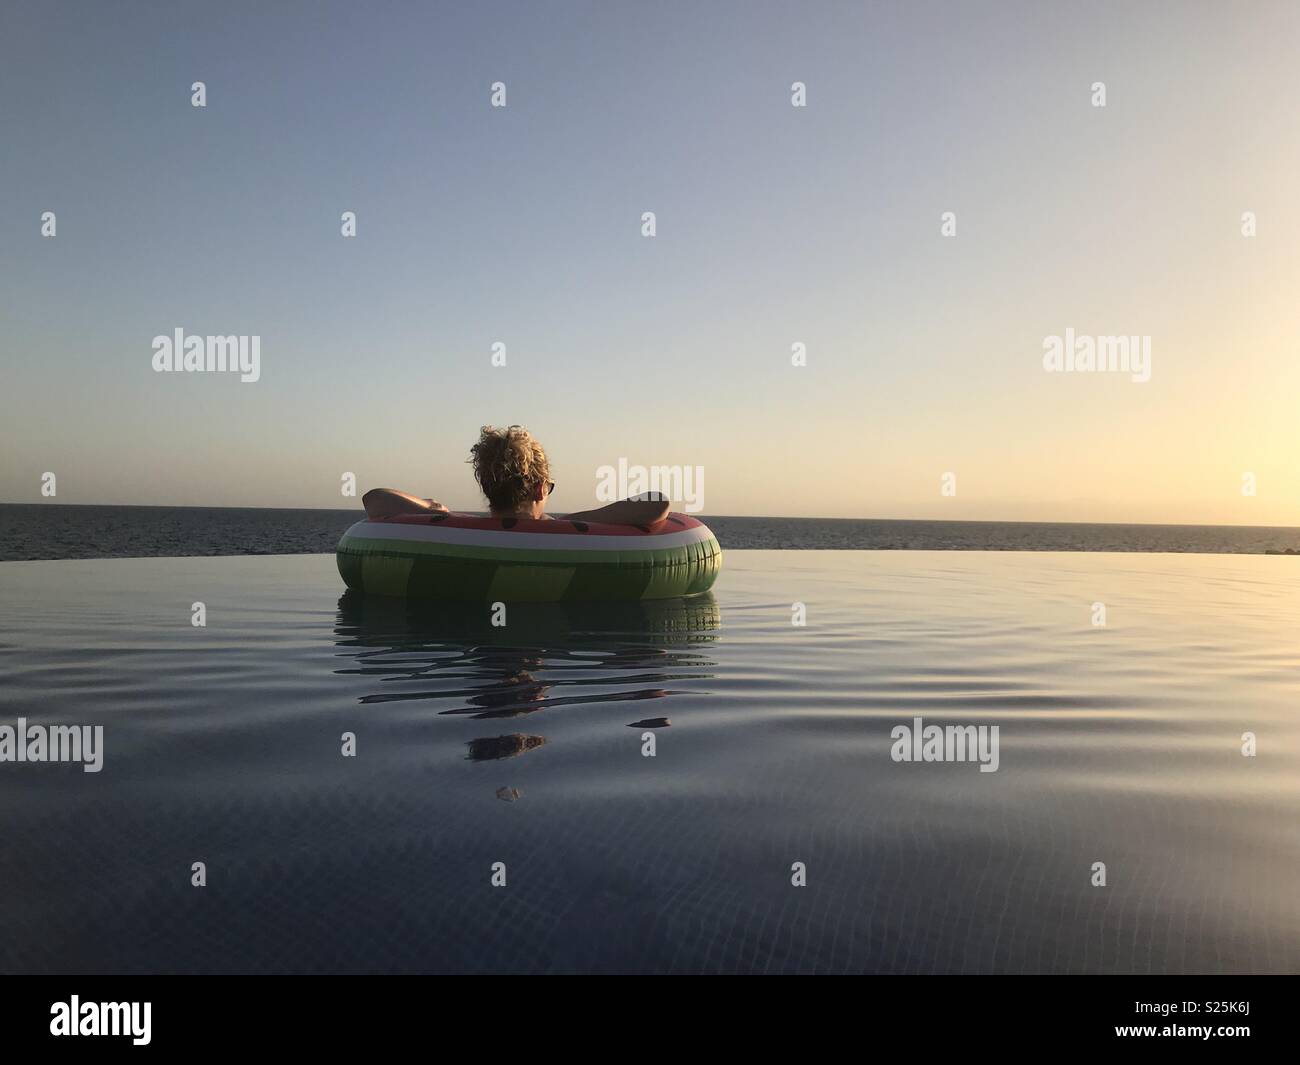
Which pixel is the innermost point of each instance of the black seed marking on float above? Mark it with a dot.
(509, 523)
(581, 526)
(440, 516)
(677, 521)
(644, 528)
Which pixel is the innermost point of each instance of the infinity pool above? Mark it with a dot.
(520, 754)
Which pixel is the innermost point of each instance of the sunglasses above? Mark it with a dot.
(550, 487)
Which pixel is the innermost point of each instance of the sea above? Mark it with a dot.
(30, 531)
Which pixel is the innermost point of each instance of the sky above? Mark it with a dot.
(775, 225)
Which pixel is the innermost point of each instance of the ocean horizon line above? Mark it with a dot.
(749, 517)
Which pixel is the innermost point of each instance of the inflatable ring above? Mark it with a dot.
(462, 558)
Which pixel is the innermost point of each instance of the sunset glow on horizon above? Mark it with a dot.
(1169, 216)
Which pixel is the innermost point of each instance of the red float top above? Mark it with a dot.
(555, 526)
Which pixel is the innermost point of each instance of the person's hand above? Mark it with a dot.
(437, 506)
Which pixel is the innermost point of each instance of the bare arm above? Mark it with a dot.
(626, 512)
(386, 502)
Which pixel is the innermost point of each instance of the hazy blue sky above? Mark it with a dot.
(776, 224)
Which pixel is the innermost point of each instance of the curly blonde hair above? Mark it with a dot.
(509, 464)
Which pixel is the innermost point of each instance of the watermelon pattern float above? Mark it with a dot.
(463, 558)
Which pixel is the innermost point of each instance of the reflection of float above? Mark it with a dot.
(549, 656)
(402, 624)
(462, 558)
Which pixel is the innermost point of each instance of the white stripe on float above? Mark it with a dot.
(441, 534)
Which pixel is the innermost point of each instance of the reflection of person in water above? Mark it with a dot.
(516, 693)
(491, 748)
(589, 652)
